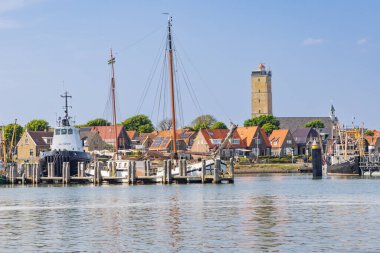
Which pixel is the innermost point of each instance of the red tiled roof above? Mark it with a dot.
(132, 134)
(107, 132)
(278, 136)
(221, 134)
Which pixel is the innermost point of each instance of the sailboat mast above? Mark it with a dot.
(112, 61)
(172, 93)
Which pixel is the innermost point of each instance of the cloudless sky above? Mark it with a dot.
(320, 52)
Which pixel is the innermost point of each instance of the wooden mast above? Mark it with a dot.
(112, 61)
(4, 147)
(172, 93)
(12, 140)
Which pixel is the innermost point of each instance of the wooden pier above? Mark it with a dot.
(369, 164)
(32, 174)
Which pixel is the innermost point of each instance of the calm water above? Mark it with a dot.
(276, 213)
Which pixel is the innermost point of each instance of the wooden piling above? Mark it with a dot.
(184, 167)
(29, 173)
(149, 168)
(146, 172)
(181, 168)
(169, 171)
(203, 172)
(232, 168)
(165, 171)
(98, 173)
(129, 174)
(66, 172)
(216, 179)
(36, 173)
(133, 173)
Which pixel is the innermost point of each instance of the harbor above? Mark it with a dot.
(31, 174)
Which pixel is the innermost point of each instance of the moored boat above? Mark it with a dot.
(66, 146)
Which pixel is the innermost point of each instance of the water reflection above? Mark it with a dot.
(262, 214)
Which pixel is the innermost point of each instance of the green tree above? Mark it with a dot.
(8, 132)
(218, 125)
(37, 125)
(98, 122)
(269, 127)
(369, 132)
(140, 123)
(203, 122)
(266, 122)
(262, 120)
(315, 124)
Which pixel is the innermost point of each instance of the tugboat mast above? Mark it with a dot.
(66, 120)
(112, 62)
(174, 137)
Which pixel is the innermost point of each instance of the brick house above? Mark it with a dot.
(256, 140)
(32, 143)
(207, 141)
(107, 133)
(282, 143)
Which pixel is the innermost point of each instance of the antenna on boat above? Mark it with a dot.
(65, 121)
(111, 61)
(174, 137)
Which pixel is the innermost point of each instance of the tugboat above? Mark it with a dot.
(66, 146)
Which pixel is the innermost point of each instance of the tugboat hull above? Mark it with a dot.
(59, 157)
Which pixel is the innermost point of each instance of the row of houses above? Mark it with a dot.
(245, 141)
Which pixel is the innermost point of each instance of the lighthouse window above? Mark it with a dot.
(70, 131)
(57, 131)
(64, 131)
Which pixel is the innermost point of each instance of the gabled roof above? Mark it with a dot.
(300, 135)
(132, 134)
(108, 132)
(37, 137)
(163, 138)
(278, 137)
(293, 123)
(221, 134)
(247, 134)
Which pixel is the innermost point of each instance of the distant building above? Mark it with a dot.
(32, 143)
(282, 143)
(304, 138)
(261, 81)
(163, 140)
(292, 123)
(107, 133)
(91, 140)
(255, 140)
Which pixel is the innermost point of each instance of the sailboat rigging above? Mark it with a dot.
(113, 90)
(172, 94)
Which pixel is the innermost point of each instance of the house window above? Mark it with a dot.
(31, 152)
(57, 131)
(259, 101)
(235, 141)
(258, 141)
(289, 141)
(49, 141)
(26, 141)
(216, 141)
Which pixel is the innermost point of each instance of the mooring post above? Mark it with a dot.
(165, 171)
(149, 167)
(216, 171)
(169, 172)
(129, 174)
(28, 170)
(133, 173)
(181, 168)
(146, 167)
(316, 160)
(203, 172)
(37, 173)
(95, 179)
(13, 173)
(232, 168)
(66, 172)
(184, 167)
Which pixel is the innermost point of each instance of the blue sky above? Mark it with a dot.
(319, 52)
